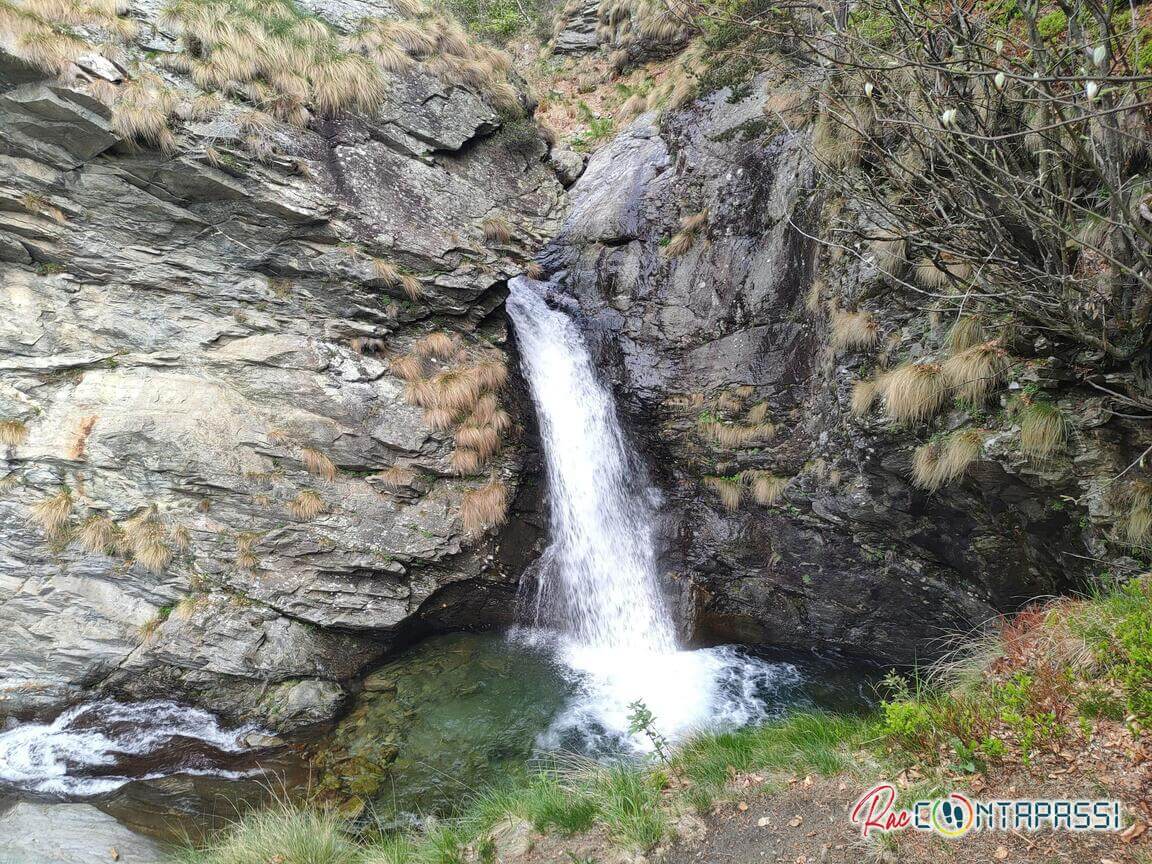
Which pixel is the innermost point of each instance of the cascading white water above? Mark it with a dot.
(599, 572)
(99, 746)
(598, 578)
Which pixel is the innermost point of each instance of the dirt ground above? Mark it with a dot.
(805, 820)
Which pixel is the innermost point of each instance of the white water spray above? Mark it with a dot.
(86, 750)
(598, 578)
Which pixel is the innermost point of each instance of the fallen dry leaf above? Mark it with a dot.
(808, 780)
(763, 822)
(113, 853)
(742, 806)
(1001, 853)
(1133, 831)
(1109, 861)
(796, 821)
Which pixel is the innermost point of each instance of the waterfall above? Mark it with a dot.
(597, 581)
(598, 574)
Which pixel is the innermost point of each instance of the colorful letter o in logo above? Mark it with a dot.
(953, 816)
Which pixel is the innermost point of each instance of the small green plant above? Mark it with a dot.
(641, 721)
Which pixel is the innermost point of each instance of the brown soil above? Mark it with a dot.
(805, 820)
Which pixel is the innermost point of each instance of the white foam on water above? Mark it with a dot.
(597, 580)
(77, 753)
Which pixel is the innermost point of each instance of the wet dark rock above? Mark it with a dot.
(853, 558)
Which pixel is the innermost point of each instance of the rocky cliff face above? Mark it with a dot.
(196, 384)
(690, 253)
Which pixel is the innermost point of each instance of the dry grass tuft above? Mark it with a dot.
(853, 330)
(534, 271)
(412, 287)
(397, 477)
(306, 505)
(441, 346)
(767, 488)
(317, 463)
(757, 413)
(144, 537)
(736, 435)
(914, 392)
(686, 237)
(864, 395)
(933, 275)
(386, 272)
(1043, 429)
(938, 463)
(13, 432)
(490, 373)
(497, 230)
(484, 508)
(465, 461)
(98, 535)
(966, 333)
(888, 250)
(408, 367)
(1138, 521)
(53, 514)
(974, 372)
(245, 555)
(484, 441)
(727, 489)
(181, 538)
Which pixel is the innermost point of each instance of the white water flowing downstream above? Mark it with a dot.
(598, 579)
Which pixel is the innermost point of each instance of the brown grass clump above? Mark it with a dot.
(1138, 520)
(13, 432)
(407, 367)
(728, 490)
(397, 477)
(737, 435)
(181, 538)
(534, 271)
(491, 373)
(412, 287)
(144, 537)
(465, 461)
(1043, 429)
(888, 250)
(974, 372)
(271, 50)
(767, 488)
(965, 333)
(98, 535)
(836, 144)
(686, 237)
(306, 505)
(317, 463)
(497, 230)
(53, 514)
(457, 389)
(385, 271)
(245, 555)
(757, 413)
(484, 508)
(864, 395)
(484, 441)
(142, 111)
(853, 330)
(914, 392)
(439, 345)
(938, 463)
(935, 275)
